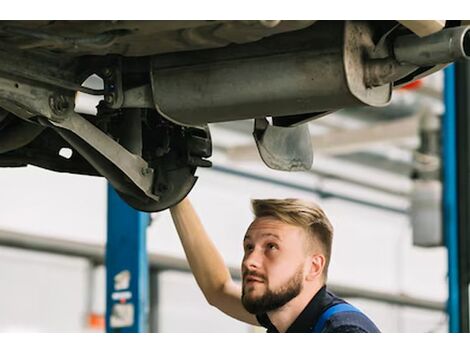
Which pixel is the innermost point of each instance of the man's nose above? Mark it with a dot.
(252, 260)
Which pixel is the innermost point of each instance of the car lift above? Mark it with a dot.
(456, 191)
(127, 269)
(462, 85)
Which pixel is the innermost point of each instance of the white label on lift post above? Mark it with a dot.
(122, 315)
(122, 280)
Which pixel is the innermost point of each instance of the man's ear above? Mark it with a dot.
(316, 266)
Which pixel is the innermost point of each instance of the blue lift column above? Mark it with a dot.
(462, 111)
(456, 191)
(127, 270)
(450, 197)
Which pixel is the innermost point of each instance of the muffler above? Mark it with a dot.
(317, 69)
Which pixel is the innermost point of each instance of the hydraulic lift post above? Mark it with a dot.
(450, 197)
(456, 191)
(462, 96)
(127, 270)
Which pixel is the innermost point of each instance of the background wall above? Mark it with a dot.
(372, 249)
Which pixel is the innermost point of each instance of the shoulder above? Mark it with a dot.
(347, 329)
(340, 316)
(350, 322)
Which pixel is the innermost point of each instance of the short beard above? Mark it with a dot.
(273, 300)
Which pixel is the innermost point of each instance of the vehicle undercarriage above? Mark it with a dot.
(165, 81)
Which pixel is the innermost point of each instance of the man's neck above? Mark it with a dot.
(283, 317)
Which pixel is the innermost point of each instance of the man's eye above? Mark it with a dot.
(248, 247)
(272, 246)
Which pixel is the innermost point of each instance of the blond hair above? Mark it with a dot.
(305, 214)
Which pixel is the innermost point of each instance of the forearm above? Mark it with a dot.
(206, 263)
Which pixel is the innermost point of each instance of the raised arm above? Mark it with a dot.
(207, 265)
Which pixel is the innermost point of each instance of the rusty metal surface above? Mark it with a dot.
(138, 38)
(180, 75)
(284, 148)
(316, 70)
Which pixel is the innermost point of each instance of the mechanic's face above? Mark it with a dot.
(273, 265)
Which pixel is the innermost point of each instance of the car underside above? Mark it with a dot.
(163, 82)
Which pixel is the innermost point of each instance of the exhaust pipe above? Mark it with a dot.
(411, 52)
(442, 47)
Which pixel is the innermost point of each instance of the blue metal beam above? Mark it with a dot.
(450, 197)
(127, 270)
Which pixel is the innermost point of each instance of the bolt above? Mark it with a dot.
(146, 171)
(59, 104)
(107, 72)
(109, 99)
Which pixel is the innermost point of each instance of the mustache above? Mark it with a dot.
(255, 274)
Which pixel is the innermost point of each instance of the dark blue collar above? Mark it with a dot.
(321, 301)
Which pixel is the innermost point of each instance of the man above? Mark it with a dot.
(284, 269)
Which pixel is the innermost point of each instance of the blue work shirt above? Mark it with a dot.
(343, 322)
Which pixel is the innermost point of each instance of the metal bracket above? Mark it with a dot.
(284, 148)
(133, 166)
(139, 97)
(57, 107)
(112, 76)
